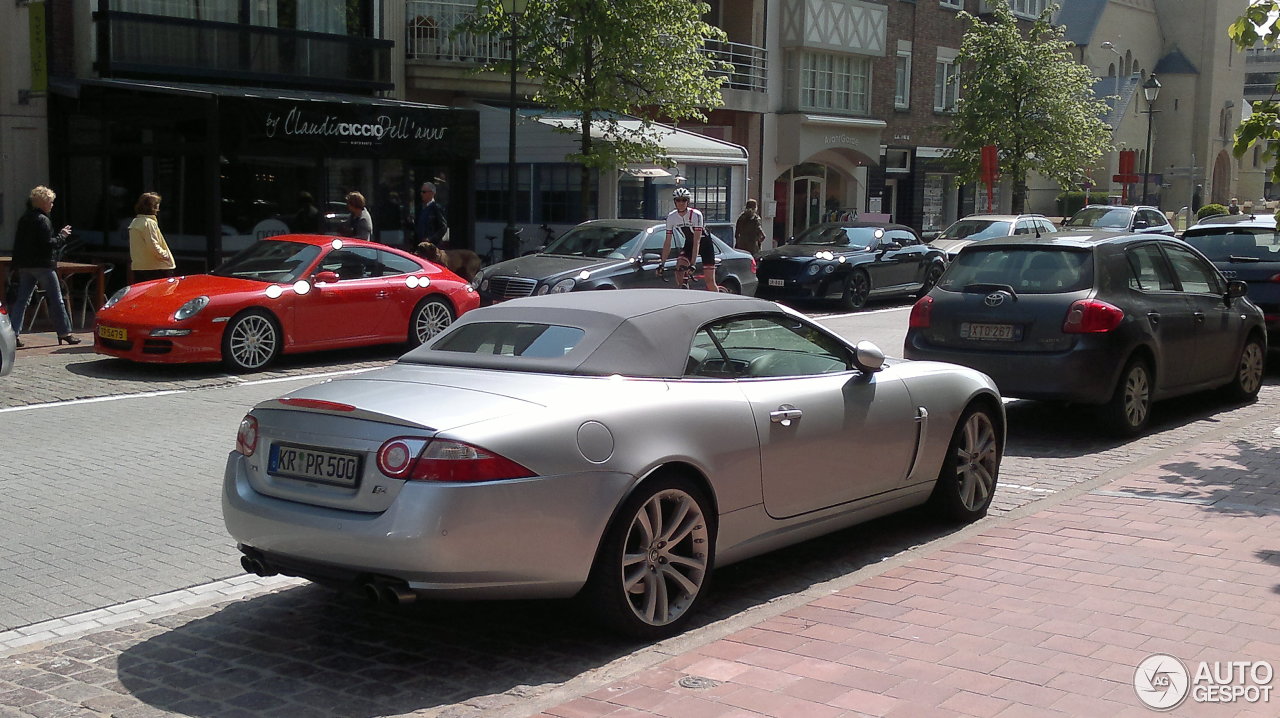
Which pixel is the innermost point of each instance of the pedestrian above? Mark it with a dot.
(431, 225)
(1197, 199)
(748, 231)
(307, 219)
(35, 260)
(149, 254)
(361, 225)
(1234, 207)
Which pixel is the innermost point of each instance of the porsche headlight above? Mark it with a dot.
(477, 281)
(562, 286)
(116, 297)
(191, 308)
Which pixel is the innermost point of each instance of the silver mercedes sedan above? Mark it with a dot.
(614, 446)
(8, 342)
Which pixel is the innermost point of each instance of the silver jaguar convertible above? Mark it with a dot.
(615, 446)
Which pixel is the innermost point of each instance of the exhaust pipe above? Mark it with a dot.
(387, 593)
(256, 567)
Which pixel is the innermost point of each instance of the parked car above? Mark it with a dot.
(290, 293)
(850, 262)
(607, 254)
(723, 231)
(8, 342)
(977, 227)
(1144, 220)
(1245, 247)
(1117, 321)
(616, 446)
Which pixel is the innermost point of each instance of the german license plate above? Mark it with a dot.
(300, 462)
(777, 282)
(990, 332)
(119, 335)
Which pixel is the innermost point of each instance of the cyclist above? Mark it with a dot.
(689, 222)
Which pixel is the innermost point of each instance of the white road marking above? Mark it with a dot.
(1017, 487)
(308, 376)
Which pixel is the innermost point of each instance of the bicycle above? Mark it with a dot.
(686, 273)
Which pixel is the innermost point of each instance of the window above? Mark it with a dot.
(834, 82)
(1027, 8)
(902, 80)
(765, 346)
(897, 160)
(1194, 274)
(514, 339)
(393, 264)
(1150, 272)
(953, 4)
(946, 84)
(491, 193)
(710, 186)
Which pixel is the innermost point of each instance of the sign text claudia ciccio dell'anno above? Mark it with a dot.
(383, 127)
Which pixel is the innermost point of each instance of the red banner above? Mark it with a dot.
(990, 171)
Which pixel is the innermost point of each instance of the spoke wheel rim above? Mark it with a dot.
(253, 341)
(1137, 396)
(664, 557)
(977, 457)
(432, 319)
(931, 279)
(858, 289)
(1251, 361)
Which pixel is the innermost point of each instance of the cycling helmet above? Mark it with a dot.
(682, 193)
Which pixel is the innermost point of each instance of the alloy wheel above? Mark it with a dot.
(664, 558)
(977, 461)
(253, 341)
(431, 319)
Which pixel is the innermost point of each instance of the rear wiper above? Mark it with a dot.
(983, 287)
(1235, 258)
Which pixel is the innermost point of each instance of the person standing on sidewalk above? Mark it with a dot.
(35, 258)
(361, 226)
(149, 254)
(748, 231)
(431, 225)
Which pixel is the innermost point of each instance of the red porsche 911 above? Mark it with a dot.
(291, 293)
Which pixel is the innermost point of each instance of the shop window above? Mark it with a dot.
(710, 186)
(897, 160)
(834, 82)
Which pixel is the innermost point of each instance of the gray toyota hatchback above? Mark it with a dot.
(1117, 321)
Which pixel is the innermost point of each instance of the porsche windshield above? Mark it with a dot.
(856, 237)
(270, 260)
(596, 240)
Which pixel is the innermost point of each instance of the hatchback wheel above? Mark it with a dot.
(856, 289)
(1248, 379)
(967, 482)
(250, 341)
(655, 563)
(1129, 410)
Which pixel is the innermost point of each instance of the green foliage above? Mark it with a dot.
(1070, 202)
(596, 61)
(1262, 126)
(1029, 98)
(1209, 210)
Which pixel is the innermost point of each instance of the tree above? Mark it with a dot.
(1257, 27)
(598, 61)
(1029, 98)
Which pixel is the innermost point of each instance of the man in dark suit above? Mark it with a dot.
(431, 225)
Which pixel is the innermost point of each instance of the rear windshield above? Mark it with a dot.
(1236, 243)
(513, 339)
(976, 229)
(1027, 270)
(1101, 217)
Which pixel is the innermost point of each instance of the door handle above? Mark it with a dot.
(381, 295)
(1199, 317)
(1154, 318)
(785, 415)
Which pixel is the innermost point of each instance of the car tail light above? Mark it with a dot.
(1092, 316)
(921, 313)
(1274, 278)
(317, 404)
(418, 459)
(753, 265)
(6, 311)
(247, 436)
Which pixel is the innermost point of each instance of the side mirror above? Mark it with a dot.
(650, 258)
(1236, 289)
(868, 357)
(1140, 224)
(326, 278)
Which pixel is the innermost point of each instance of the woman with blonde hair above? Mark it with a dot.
(35, 259)
(149, 254)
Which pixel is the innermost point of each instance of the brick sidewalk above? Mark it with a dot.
(1044, 615)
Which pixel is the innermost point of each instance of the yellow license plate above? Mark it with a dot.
(119, 335)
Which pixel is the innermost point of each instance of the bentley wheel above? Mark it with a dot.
(970, 469)
(250, 341)
(1247, 381)
(655, 562)
(930, 279)
(430, 317)
(1129, 410)
(730, 286)
(856, 289)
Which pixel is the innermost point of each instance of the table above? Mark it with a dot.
(66, 270)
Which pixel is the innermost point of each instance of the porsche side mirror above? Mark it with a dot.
(326, 278)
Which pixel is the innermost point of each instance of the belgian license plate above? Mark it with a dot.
(777, 282)
(990, 332)
(119, 335)
(300, 462)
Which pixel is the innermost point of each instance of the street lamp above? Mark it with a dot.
(1150, 90)
(511, 234)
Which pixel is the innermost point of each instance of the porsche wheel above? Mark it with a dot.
(1129, 410)
(1247, 381)
(856, 289)
(429, 318)
(655, 562)
(251, 341)
(970, 469)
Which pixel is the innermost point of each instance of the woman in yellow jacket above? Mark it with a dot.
(148, 252)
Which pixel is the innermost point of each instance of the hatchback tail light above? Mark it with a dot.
(1092, 316)
(419, 459)
(753, 265)
(921, 313)
(1274, 278)
(247, 436)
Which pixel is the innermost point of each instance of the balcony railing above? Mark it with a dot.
(132, 44)
(430, 36)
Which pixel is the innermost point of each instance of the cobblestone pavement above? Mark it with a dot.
(249, 647)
